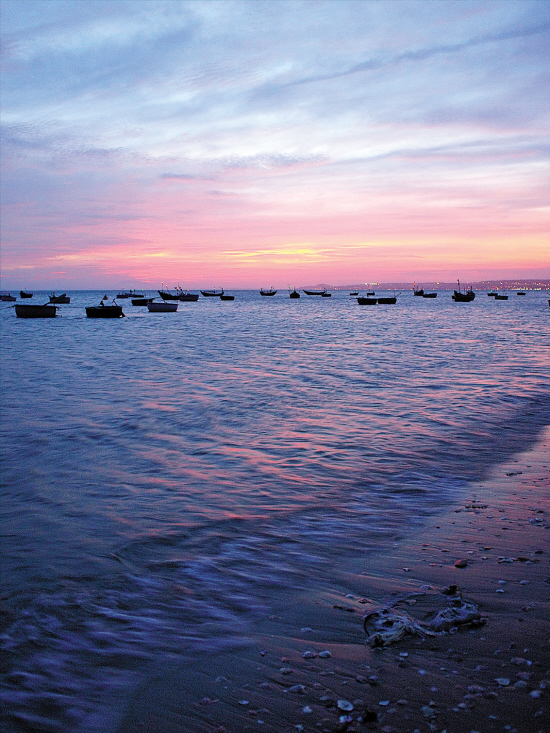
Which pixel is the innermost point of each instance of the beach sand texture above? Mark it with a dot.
(310, 668)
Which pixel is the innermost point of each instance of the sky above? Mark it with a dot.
(257, 143)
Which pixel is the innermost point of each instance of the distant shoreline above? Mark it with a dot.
(505, 284)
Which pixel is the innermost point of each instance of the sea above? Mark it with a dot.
(169, 479)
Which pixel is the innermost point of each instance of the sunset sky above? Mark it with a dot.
(263, 142)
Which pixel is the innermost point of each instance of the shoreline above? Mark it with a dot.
(489, 677)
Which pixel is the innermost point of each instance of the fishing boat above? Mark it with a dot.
(163, 307)
(418, 291)
(105, 311)
(498, 296)
(315, 292)
(212, 293)
(23, 294)
(326, 295)
(227, 297)
(131, 294)
(355, 292)
(28, 310)
(492, 293)
(387, 300)
(521, 292)
(188, 297)
(167, 295)
(7, 298)
(367, 301)
(294, 294)
(64, 298)
(370, 293)
(267, 292)
(429, 295)
(463, 297)
(141, 301)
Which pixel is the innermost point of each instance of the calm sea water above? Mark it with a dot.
(168, 479)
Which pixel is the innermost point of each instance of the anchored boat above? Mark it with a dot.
(64, 298)
(30, 310)
(167, 295)
(105, 311)
(388, 300)
(367, 301)
(164, 307)
(463, 297)
(131, 294)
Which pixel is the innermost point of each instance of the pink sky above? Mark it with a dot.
(219, 144)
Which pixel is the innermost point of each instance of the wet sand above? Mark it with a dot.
(310, 661)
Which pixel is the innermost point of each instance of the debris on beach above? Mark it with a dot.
(453, 616)
(390, 625)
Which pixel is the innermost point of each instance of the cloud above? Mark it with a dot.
(423, 54)
(186, 177)
(325, 123)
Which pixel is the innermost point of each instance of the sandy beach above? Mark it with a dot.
(311, 668)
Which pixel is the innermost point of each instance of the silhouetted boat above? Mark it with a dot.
(141, 301)
(7, 298)
(227, 297)
(498, 296)
(212, 293)
(326, 295)
(131, 294)
(315, 292)
(355, 292)
(163, 307)
(463, 297)
(167, 295)
(64, 298)
(387, 301)
(105, 311)
(492, 293)
(370, 293)
(188, 297)
(367, 301)
(429, 295)
(417, 291)
(294, 294)
(268, 292)
(23, 294)
(521, 292)
(28, 310)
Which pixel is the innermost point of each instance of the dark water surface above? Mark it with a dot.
(169, 478)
